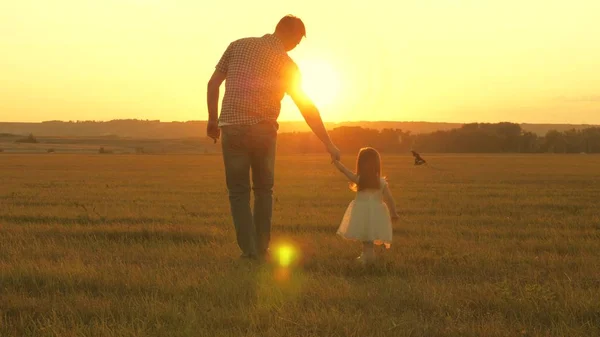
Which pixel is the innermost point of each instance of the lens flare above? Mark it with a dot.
(285, 255)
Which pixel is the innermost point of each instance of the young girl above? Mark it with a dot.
(369, 216)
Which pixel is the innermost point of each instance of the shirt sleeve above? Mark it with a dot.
(223, 65)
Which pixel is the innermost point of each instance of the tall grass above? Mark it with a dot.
(144, 246)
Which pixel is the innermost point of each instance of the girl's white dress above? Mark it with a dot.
(367, 218)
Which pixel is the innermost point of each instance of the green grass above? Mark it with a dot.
(490, 245)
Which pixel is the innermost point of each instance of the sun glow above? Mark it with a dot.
(437, 61)
(320, 81)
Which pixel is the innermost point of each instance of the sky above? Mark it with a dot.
(534, 61)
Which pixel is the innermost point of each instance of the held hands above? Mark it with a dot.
(213, 131)
(394, 217)
(333, 151)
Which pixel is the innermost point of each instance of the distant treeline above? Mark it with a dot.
(155, 129)
(470, 138)
(189, 137)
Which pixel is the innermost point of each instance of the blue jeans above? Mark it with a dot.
(247, 147)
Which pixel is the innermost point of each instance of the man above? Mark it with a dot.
(258, 73)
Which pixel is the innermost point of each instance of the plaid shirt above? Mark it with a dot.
(258, 74)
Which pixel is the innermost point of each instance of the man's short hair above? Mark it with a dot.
(291, 25)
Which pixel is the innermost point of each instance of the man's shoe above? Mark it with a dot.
(264, 256)
(248, 256)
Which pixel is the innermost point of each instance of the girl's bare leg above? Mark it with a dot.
(368, 254)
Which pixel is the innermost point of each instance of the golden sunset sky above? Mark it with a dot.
(418, 60)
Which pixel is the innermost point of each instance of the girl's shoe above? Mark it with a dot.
(365, 259)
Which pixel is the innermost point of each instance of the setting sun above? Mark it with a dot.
(320, 81)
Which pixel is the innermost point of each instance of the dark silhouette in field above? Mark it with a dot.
(257, 72)
(418, 159)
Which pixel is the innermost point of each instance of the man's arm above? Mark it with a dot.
(212, 94)
(212, 100)
(309, 111)
(311, 114)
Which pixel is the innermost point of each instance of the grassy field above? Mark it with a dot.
(126, 245)
(114, 145)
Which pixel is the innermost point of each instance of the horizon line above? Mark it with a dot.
(298, 121)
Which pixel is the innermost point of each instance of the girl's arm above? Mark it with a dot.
(390, 202)
(353, 178)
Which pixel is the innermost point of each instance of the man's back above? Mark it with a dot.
(258, 73)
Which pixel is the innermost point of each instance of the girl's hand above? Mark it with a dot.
(333, 151)
(395, 217)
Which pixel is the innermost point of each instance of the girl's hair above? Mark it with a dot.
(368, 169)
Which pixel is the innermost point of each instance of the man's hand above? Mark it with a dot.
(333, 151)
(212, 130)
